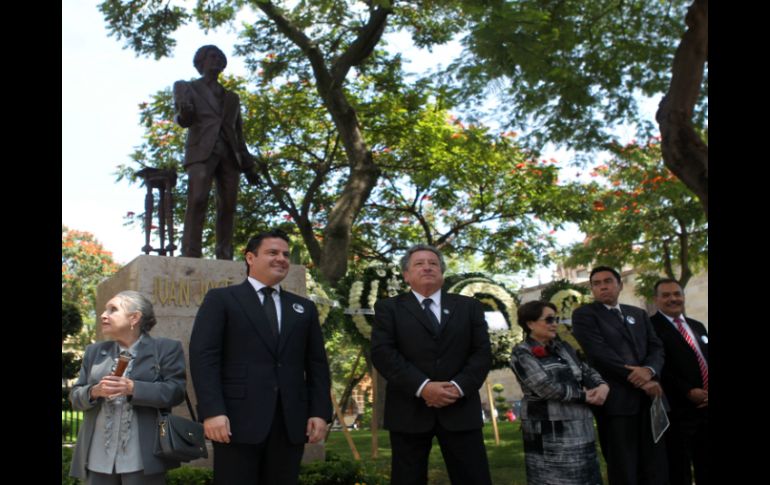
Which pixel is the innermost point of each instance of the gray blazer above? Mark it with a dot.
(150, 393)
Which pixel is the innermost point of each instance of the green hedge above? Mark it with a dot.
(333, 471)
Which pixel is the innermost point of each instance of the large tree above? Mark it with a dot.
(643, 216)
(319, 42)
(462, 188)
(571, 71)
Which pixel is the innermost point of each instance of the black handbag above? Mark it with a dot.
(179, 438)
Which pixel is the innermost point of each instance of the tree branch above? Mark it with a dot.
(308, 47)
(362, 47)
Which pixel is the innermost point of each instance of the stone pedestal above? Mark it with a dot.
(176, 287)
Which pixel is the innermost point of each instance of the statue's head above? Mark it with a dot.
(200, 56)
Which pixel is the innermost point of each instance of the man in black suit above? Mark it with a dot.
(620, 343)
(685, 382)
(433, 349)
(260, 372)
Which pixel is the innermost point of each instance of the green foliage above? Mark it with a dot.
(145, 25)
(70, 365)
(71, 321)
(572, 70)
(500, 402)
(644, 217)
(335, 470)
(187, 475)
(85, 263)
(66, 462)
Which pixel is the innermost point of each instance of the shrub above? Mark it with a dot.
(66, 460)
(188, 475)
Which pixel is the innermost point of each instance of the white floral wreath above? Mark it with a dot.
(355, 310)
(318, 295)
(479, 286)
(566, 301)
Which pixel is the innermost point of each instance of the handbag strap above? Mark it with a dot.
(160, 373)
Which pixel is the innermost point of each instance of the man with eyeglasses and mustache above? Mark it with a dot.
(620, 343)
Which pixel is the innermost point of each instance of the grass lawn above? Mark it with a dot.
(506, 461)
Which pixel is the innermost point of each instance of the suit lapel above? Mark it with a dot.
(249, 300)
(205, 93)
(413, 306)
(448, 303)
(289, 317)
(621, 326)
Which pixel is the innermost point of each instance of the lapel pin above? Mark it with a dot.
(446, 311)
(704, 338)
(630, 319)
(298, 308)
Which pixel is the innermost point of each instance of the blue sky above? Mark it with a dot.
(102, 86)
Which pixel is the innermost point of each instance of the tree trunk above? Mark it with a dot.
(333, 261)
(684, 152)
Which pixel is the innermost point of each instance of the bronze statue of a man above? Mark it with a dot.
(215, 150)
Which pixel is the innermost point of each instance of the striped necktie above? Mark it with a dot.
(704, 368)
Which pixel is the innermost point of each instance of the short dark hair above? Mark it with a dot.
(599, 269)
(531, 311)
(255, 242)
(664, 281)
(422, 247)
(201, 54)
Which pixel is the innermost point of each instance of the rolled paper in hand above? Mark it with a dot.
(123, 361)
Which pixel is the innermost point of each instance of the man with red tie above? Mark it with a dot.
(685, 382)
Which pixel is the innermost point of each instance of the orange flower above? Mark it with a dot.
(599, 206)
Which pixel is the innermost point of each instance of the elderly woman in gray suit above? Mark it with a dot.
(557, 423)
(120, 402)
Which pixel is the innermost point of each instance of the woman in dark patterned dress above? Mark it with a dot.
(558, 426)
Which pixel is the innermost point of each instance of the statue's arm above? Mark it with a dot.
(183, 104)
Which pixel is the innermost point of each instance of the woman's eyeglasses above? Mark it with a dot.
(551, 319)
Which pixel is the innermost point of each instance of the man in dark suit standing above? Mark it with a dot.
(214, 150)
(620, 343)
(259, 368)
(433, 349)
(685, 382)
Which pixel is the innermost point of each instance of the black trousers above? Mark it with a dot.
(273, 462)
(631, 455)
(463, 451)
(687, 442)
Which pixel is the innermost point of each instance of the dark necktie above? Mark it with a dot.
(617, 313)
(269, 305)
(704, 368)
(426, 303)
